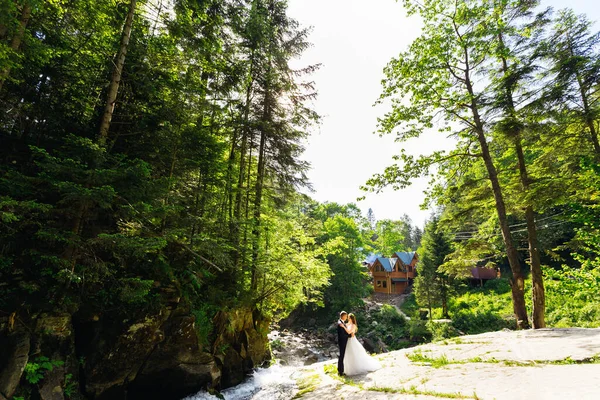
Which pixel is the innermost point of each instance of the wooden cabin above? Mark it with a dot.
(394, 275)
(479, 275)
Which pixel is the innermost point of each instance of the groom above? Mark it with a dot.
(342, 340)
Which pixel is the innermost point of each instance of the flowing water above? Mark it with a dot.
(274, 383)
(278, 382)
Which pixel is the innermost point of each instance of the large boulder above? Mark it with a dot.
(368, 345)
(178, 366)
(14, 348)
(241, 344)
(112, 360)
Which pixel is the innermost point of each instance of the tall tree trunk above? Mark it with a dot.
(230, 164)
(537, 278)
(113, 88)
(260, 176)
(200, 189)
(538, 295)
(237, 257)
(518, 281)
(15, 43)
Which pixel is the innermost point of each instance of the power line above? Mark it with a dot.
(512, 226)
(539, 228)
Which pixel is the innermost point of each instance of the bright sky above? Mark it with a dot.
(354, 40)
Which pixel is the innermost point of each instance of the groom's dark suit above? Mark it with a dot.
(342, 341)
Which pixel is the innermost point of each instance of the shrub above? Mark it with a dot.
(499, 286)
(204, 323)
(440, 331)
(409, 306)
(391, 314)
(479, 321)
(35, 370)
(418, 331)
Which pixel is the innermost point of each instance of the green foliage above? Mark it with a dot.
(418, 331)
(389, 314)
(441, 331)
(36, 370)
(409, 306)
(277, 344)
(515, 85)
(204, 323)
(573, 297)
(479, 321)
(194, 194)
(343, 246)
(70, 385)
(390, 236)
(433, 286)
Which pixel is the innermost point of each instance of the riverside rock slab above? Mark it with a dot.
(510, 365)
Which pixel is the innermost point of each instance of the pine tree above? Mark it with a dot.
(433, 287)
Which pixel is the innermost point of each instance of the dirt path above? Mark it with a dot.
(542, 364)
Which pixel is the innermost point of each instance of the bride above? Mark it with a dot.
(356, 360)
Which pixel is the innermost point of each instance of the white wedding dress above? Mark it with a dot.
(356, 360)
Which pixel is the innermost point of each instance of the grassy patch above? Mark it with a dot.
(436, 362)
(566, 361)
(307, 384)
(442, 361)
(416, 392)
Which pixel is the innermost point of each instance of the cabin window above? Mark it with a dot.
(378, 283)
(384, 284)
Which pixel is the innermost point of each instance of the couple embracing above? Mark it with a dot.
(353, 360)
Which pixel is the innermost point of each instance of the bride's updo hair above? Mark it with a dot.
(352, 318)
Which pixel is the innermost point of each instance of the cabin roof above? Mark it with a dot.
(405, 257)
(387, 263)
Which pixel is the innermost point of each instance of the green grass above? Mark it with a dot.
(436, 362)
(442, 361)
(307, 384)
(418, 392)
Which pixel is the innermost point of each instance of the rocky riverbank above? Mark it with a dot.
(58, 356)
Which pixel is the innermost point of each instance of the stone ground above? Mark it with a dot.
(530, 365)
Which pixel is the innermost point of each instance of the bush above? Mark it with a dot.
(409, 306)
(441, 331)
(418, 331)
(204, 323)
(390, 314)
(386, 324)
(572, 297)
(499, 286)
(479, 321)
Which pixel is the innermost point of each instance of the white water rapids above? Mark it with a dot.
(278, 382)
(274, 383)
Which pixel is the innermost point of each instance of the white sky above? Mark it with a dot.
(354, 40)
